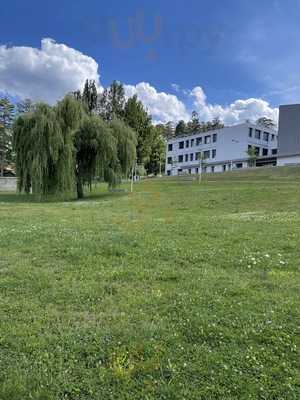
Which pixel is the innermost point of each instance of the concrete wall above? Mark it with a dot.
(289, 130)
(288, 160)
(8, 184)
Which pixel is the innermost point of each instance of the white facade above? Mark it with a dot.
(223, 149)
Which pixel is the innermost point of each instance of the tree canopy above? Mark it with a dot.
(194, 125)
(112, 102)
(138, 119)
(7, 112)
(62, 147)
(266, 122)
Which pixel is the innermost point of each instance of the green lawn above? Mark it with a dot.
(177, 291)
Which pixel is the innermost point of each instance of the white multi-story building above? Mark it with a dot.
(222, 149)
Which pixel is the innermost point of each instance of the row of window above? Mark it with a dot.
(199, 140)
(194, 157)
(180, 172)
(225, 167)
(258, 134)
(263, 151)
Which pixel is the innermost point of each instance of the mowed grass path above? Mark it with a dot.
(177, 291)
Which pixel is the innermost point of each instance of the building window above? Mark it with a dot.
(274, 152)
(257, 134)
(265, 152)
(206, 154)
(190, 171)
(213, 153)
(257, 151)
(180, 158)
(266, 136)
(192, 142)
(198, 141)
(197, 170)
(191, 157)
(250, 132)
(239, 165)
(187, 143)
(169, 160)
(212, 169)
(273, 138)
(170, 147)
(224, 167)
(207, 139)
(215, 136)
(181, 145)
(168, 172)
(186, 158)
(198, 155)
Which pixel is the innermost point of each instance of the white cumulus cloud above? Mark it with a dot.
(162, 106)
(168, 107)
(55, 69)
(236, 112)
(45, 74)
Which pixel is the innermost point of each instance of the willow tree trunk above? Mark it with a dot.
(79, 188)
(79, 184)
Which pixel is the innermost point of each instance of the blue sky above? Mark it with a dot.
(233, 50)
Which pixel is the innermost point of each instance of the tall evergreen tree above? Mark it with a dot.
(168, 130)
(112, 101)
(181, 128)
(89, 95)
(138, 119)
(193, 125)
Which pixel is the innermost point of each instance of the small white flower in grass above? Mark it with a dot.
(282, 262)
(268, 255)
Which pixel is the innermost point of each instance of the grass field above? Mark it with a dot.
(177, 291)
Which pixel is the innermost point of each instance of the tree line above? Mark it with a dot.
(86, 136)
(90, 134)
(8, 114)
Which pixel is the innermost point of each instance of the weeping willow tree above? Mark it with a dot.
(70, 113)
(43, 142)
(126, 146)
(96, 153)
(103, 152)
(62, 148)
(38, 142)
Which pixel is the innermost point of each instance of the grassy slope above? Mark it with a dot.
(178, 291)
